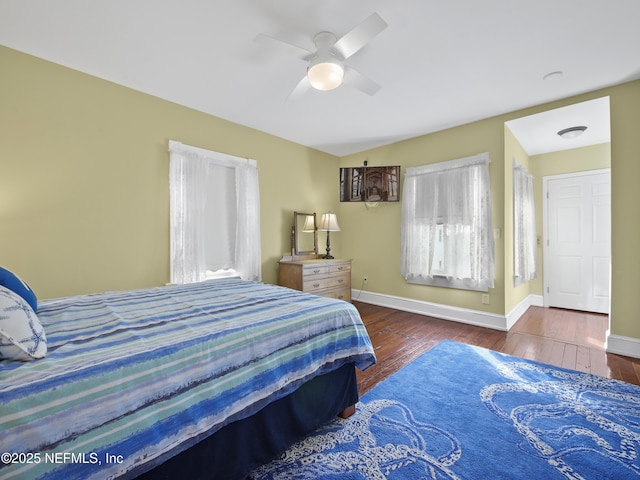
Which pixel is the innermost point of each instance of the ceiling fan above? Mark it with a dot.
(326, 69)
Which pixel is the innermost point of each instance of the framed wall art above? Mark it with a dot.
(370, 184)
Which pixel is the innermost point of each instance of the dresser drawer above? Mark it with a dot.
(341, 267)
(341, 294)
(315, 270)
(319, 282)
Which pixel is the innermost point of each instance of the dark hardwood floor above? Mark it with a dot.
(558, 337)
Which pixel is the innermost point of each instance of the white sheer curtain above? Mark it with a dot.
(215, 215)
(525, 238)
(447, 229)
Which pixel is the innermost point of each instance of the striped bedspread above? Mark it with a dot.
(135, 377)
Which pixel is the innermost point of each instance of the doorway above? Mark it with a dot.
(551, 155)
(577, 240)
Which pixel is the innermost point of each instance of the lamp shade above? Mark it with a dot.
(329, 222)
(309, 224)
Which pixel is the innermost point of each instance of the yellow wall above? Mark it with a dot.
(84, 188)
(372, 236)
(84, 192)
(512, 150)
(625, 199)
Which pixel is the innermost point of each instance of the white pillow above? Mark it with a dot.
(21, 334)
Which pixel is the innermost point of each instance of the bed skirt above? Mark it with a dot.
(233, 452)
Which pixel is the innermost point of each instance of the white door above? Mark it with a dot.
(577, 247)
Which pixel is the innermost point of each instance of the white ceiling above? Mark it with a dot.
(440, 63)
(539, 133)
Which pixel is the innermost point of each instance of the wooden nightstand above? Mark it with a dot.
(328, 278)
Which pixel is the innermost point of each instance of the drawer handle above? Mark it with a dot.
(340, 268)
(341, 280)
(317, 270)
(340, 297)
(316, 285)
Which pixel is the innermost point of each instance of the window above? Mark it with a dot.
(525, 249)
(215, 215)
(447, 230)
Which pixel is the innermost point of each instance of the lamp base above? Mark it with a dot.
(328, 255)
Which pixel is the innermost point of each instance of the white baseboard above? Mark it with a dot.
(518, 311)
(627, 346)
(446, 312)
(618, 344)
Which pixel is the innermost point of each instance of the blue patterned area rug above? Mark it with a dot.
(463, 412)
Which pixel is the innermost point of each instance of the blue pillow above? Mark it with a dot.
(13, 283)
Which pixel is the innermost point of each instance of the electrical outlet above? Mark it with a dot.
(365, 279)
(485, 298)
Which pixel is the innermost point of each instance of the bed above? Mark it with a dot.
(207, 380)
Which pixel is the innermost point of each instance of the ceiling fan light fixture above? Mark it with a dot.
(325, 73)
(572, 132)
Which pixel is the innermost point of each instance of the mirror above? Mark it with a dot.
(304, 234)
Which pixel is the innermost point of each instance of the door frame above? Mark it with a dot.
(545, 225)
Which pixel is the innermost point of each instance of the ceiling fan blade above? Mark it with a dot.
(355, 79)
(360, 35)
(303, 87)
(294, 50)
